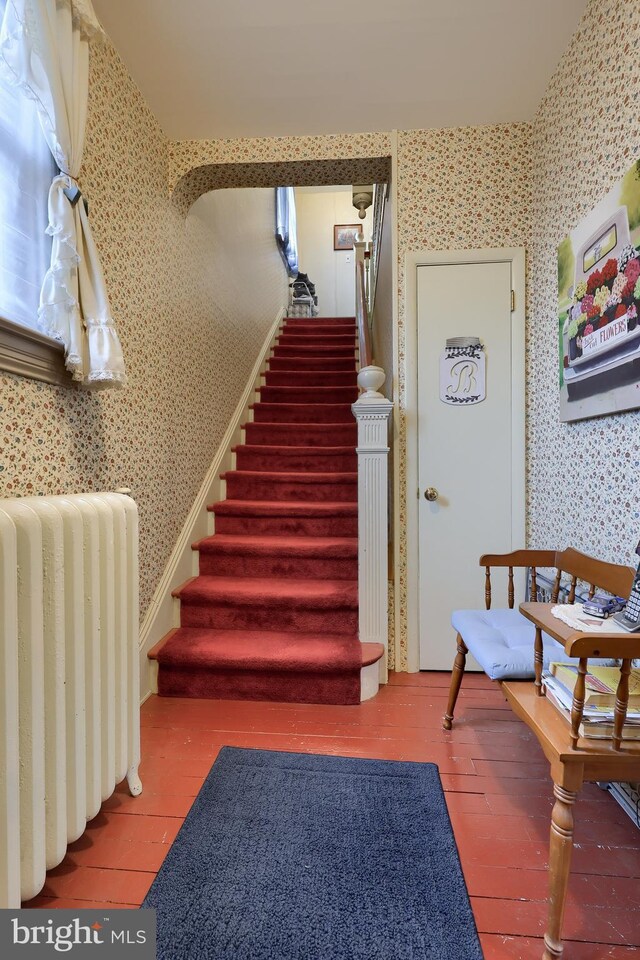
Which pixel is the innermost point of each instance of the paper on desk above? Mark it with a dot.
(572, 614)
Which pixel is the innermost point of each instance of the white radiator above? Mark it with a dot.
(69, 695)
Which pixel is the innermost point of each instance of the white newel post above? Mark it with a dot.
(372, 412)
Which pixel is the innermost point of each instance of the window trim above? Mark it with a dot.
(28, 353)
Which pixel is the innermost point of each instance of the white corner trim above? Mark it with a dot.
(158, 619)
(395, 396)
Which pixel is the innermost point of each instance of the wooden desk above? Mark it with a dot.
(570, 767)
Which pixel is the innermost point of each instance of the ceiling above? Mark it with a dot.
(214, 69)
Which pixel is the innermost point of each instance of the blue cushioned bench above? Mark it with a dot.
(502, 640)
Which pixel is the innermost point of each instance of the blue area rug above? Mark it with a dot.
(287, 856)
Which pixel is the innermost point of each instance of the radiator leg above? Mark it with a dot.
(134, 781)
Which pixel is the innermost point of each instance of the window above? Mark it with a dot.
(286, 230)
(26, 171)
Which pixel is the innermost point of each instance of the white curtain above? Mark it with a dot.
(26, 169)
(44, 45)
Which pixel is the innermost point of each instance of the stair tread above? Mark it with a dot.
(288, 475)
(319, 390)
(261, 591)
(320, 340)
(269, 405)
(186, 647)
(327, 370)
(292, 451)
(284, 508)
(256, 649)
(320, 425)
(280, 545)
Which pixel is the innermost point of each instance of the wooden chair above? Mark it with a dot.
(573, 759)
(502, 640)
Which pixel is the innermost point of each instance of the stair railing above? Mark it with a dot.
(372, 412)
(379, 197)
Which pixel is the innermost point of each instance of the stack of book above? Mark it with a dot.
(600, 698)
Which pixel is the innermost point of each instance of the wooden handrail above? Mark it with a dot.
(362, 317)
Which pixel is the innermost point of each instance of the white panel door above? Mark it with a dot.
(465, 450)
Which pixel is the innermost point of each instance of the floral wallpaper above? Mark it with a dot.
(582, 477)
(187, 155)
(190, 324)
(458, 188)
(215, 176)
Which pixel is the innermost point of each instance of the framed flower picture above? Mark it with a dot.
(345, 235)
(598, 306)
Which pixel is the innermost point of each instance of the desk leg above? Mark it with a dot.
(560, 849)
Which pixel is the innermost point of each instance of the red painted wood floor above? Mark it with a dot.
(497, 790)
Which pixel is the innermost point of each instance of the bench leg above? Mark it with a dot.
(456, 680)
(560, 849)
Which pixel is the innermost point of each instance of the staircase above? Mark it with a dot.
(273, 612)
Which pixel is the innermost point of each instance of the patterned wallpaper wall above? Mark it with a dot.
(582, 477)
(186, 155)
(190, 324)
(458, 188)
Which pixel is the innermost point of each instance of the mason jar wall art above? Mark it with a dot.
(462, 371)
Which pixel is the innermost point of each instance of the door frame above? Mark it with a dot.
(516, 257)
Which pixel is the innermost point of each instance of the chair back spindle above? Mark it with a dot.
(534, 584)
(511, 591)
(487, 587)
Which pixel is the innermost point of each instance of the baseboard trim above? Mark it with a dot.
(158, 619)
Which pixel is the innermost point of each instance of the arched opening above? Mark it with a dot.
(307, 173)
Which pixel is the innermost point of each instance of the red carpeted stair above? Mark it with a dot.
(273, 613)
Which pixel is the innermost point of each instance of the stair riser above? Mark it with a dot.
(289, 526)
(314, 333)
(255, 617)
(299, 363)
(316, 378)
(333, 463)
(306, 351)
(307, 568)
(290, 394)
(256, 488)
(292, 340)
(268, 686)
(320, 321)
(302, 413)
(307, 435)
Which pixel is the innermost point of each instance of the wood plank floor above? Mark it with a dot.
(497, 789)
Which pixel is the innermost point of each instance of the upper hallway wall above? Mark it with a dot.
(318, 210)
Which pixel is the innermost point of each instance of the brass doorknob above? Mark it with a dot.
(431, 494)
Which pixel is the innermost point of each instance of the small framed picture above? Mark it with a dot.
(344, 235)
